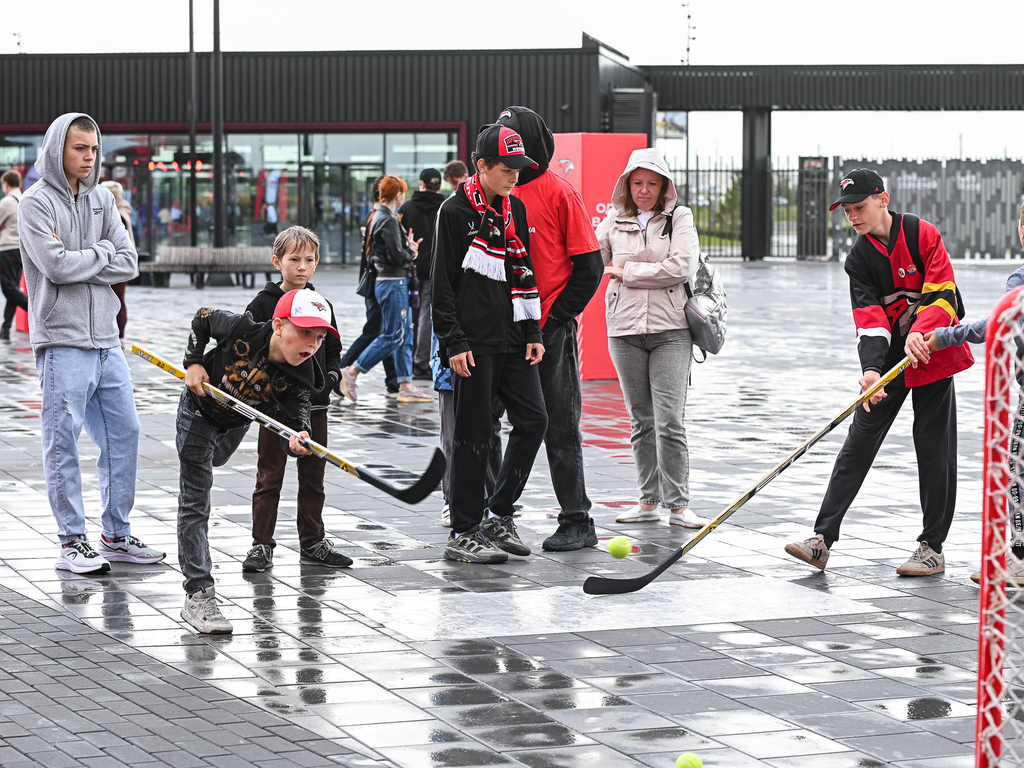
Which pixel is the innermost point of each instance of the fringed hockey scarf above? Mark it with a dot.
(493, 246)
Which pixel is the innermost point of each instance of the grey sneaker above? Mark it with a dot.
(323, 553)
(502, 533)
(78, 556)
(812, 550)
(260, 557)
(203, 613)
(128, 549)
(472, 547)
(924, 562)
(1014, 572)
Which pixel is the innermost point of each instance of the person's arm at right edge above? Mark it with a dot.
(102, 262)
(973, 333)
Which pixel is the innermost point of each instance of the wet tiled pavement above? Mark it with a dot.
(737, 653)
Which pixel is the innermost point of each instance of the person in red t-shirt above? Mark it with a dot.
(567, 260)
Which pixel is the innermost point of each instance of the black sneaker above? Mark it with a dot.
(502, 533)
(5, 333)
(323, 553)
(473, 547)
(260, 557)
(570, 536)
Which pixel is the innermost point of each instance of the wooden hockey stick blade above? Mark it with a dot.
(598, 585)
(413, 494)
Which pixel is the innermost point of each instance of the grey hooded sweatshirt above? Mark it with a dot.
(70, 301)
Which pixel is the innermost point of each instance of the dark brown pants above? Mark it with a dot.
(270, 477)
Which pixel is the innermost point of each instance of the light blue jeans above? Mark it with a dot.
(90, 388)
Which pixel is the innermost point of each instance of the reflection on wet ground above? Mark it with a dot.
(737, 653)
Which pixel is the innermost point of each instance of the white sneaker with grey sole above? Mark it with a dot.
(78, 556)
(686, 517)
(128, 549)
(637, 514)
(203, 613)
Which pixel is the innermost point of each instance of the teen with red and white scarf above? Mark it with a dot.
(486, 313)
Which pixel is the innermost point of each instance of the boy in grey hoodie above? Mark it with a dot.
(74, 248)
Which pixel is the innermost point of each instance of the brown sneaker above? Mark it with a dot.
(812, 550)
(1014, 572)
(924, 562)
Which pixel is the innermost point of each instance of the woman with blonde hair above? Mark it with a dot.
(392, 251)
(650, 250)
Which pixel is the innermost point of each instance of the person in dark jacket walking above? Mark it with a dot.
(392, 252)
(418, 215)
(10, 253)
(296, 255)
(567, 257)
(486, 315)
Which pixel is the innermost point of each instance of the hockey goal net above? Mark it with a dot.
(1000, 725)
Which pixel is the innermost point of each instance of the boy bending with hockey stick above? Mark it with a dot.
(270, 366)
(901, 286)
(942, 338)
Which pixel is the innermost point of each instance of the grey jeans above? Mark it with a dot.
(425, 327)
(653, 371)
(201, 447)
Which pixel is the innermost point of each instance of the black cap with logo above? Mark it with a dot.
(505, 144)
(858, 185)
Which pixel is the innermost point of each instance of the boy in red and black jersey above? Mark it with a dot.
(902, 286)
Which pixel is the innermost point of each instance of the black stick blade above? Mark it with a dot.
(597, 585)
(418, 491)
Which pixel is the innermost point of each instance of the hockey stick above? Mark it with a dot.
(414, 494)
(597, 585)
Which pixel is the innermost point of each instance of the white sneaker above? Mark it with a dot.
(128, 549)
(446, 515)
(637, 514)
(348, 385)
(414, 395)
(203, 613)
(79, 557)
(686, 518)
(1014, 572)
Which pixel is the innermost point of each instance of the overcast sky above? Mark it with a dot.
(727, 32)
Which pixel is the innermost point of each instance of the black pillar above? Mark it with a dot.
(757, 182)
(192, 227)
(217, 113)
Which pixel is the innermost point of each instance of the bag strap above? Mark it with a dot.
(668, 225)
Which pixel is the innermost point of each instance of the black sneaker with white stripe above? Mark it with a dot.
(924, 562)
(78, 556)
(812, 551)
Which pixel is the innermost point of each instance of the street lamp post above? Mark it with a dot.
(193, 229)
(217, 94)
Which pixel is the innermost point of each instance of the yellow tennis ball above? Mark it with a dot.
(619, 547)
(689, 760)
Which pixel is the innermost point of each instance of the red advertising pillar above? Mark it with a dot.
(593, 162)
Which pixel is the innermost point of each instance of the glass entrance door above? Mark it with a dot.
(335, 200)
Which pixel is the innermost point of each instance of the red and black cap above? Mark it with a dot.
(306, 309)
(502, 142)
(857, 185)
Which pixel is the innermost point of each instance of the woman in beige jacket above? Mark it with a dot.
(650, 250)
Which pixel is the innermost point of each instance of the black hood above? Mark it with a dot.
(427, 201)
(537, 138)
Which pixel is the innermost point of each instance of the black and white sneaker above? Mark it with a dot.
(260, 557)
(473, 547)
(502, 533)
(323, 553)
(79, 557)
(924, 562)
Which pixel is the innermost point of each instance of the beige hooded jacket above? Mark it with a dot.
(650, 296)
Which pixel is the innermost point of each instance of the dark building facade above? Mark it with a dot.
(307, 132)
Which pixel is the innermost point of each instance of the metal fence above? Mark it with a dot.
(974, 204)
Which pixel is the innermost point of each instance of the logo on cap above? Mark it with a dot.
(514, 144)
(845, 183)
(505, 113)
(319, 306)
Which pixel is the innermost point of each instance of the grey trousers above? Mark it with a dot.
(653, 371)
(425, 327)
